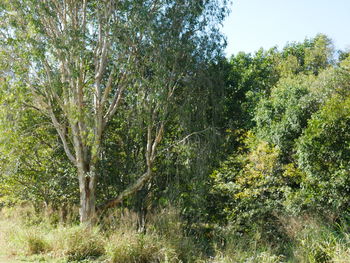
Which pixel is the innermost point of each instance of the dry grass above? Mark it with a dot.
(163, 241)
(131, 246)
(117, 240)
(76, 242)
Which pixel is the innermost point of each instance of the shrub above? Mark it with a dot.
(324, 155)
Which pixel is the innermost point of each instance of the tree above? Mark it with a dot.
(281, 118)
(84, 60)
(279, 94)
(308, 57)
(323, 153)
(306, 81)
(323, 149)
(249, 78)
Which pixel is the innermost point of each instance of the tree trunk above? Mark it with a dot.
(87, 185)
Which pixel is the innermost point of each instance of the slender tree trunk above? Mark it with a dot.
(63, 213)
(87, 185)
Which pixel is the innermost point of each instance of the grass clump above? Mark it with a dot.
(77, 242)
(138, 248)
(317, 243)
(23, 236)
(308, 239)
(168, 225)
(250, 246)
(25, 241)
(36, 244)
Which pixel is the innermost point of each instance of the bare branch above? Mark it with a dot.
(157, 140)
(114, 105)
(127, 192)
(62, 133)
(185, 138)
(150, 157)
(47, 107)
(101, 66)
(149, 145)
(108, 87)
(83, 24)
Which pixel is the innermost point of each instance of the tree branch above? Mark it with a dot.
(114, 105)
(127, 192)
(62, 133)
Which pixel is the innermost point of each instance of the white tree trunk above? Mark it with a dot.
(87, 186)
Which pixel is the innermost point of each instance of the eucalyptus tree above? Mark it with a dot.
(81, 61)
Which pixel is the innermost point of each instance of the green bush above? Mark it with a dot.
(324, 155)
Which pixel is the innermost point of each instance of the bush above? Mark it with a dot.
(324, 155)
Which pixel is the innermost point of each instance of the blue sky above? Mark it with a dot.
(265, 23)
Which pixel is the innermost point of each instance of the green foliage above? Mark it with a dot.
(249, 78)
(294, 158)
(32, 165)
(323, 153)
(309, 57)
(281, 118)
(235, 145)
(253, 184)
(125, 66)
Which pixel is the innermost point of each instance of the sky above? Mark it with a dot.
(253, 24)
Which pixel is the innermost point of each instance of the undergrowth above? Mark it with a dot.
(26, 234)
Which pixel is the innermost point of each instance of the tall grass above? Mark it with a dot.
(139, 248)
(308, 239)
(23, 232)
(76, 242)
(116, 240)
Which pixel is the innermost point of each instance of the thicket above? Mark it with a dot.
(250, 162)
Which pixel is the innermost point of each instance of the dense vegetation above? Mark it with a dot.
(127, 118)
